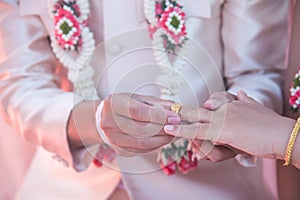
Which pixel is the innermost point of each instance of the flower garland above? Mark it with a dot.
(295, 93)
(73, 44)
(166, 24)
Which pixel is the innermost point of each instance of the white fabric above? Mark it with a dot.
(239, 35)
(52, 180)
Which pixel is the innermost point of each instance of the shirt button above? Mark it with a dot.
(114, 49)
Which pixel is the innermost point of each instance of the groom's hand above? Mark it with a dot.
(133, 124)
(217, 99)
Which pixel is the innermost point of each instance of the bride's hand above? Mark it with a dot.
(243, 124)
(205, 149)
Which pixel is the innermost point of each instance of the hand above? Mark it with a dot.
(206, 150)
(248, 126)
(134, 123)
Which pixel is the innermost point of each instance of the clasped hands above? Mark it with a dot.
(136, 124)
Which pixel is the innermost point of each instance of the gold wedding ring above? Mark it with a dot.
(176, 108)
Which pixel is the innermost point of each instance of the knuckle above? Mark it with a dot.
(106, 123)
(183, 129)
(156, 116)
(194, 112)
(189, 114)
(136, 112)
(141, 143)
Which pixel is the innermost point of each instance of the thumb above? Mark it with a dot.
(242, 96)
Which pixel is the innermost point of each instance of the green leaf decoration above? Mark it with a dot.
(175, 22)
(65, 28)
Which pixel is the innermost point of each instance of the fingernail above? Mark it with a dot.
(211, 104)
(174, 120)
(169, 128)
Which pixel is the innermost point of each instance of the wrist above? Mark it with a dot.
(81, 128)
(281, 141)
